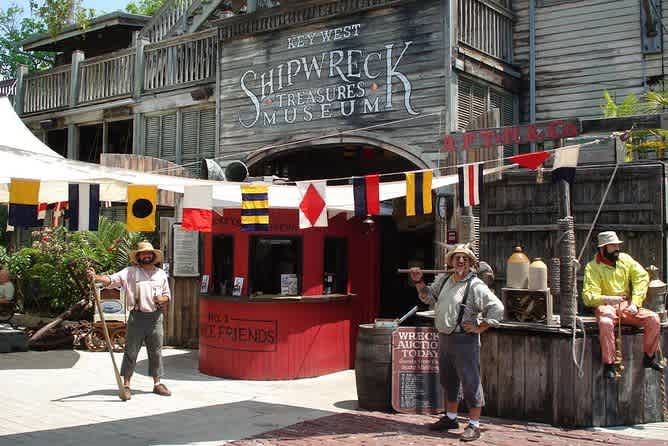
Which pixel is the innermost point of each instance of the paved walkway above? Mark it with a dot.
(69, 398)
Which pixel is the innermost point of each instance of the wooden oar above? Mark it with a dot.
(123, 393)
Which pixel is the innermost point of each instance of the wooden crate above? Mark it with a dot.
(524, 306)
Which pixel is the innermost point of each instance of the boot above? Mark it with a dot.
(609, 371)
(652, 362)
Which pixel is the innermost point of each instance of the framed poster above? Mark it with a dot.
(416, 385)
(186, 252)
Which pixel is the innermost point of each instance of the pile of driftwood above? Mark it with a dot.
(66, 331)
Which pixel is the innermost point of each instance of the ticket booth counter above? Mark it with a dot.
(286, 303)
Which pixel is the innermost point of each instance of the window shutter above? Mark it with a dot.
(168, 137)
(115, 213)
(464, 103)
(199, 138)
(152, 136)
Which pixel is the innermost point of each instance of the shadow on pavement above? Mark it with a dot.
(34, 360)
(178, 367)
(219, 423)
(111, 396)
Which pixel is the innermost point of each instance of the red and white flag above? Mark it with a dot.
(198, 208)
(312, 203)
(470, 184)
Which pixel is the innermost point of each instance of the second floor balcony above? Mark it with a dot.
(484, 26)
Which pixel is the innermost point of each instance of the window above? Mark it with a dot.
(223, 265)
(271, 257)
(336, 266)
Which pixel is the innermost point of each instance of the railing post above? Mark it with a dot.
(20, 89)
(139, 66)
(77, 58)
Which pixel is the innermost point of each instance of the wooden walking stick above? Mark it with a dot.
(123, 393)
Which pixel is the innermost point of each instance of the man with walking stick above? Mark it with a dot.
(146, 291)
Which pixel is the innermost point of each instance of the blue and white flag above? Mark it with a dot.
(84, 206)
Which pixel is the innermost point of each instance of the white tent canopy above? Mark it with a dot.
(22, 155)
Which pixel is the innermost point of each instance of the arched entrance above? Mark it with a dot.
(404, 241)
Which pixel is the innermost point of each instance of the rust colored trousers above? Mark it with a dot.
(607, 318)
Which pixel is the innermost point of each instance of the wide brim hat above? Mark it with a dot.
(608, 238)
(461, 249)
(146, 247)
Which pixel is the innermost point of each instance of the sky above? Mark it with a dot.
(99, 5)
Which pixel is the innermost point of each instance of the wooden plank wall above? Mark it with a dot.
(423, 64)
(518, 211)
(531, 376)
(583, 48)
(182, 317)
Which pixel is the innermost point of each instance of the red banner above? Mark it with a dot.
(521, 134)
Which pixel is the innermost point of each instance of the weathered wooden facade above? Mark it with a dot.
(583, 48)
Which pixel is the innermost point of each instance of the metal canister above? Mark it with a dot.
(656, 294)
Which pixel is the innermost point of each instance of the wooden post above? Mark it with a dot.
(20, 89)
(73, 142)
(77, 58)
(139, 67)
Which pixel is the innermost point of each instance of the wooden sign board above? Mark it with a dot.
(416, 386)
(520, 134)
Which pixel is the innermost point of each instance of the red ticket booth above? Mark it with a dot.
(286, 303)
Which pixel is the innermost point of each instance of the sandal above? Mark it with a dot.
(161, 389)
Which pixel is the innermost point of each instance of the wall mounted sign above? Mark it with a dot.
(416, 386)
(186, 252)
(521, 134)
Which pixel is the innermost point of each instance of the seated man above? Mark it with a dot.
(616, 286)
(6, 288)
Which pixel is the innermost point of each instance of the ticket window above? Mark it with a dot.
(336, 266)
(223, 265)
(271, 260)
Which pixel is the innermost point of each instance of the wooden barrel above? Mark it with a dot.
(373, 368)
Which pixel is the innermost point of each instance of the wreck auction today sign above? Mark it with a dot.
(416, 386)
(341, 81)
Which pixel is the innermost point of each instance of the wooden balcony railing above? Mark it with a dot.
(182, 60)
(47, 91)
(108, 76)
(165, 19)
(487, 27)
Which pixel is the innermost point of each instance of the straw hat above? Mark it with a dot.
(608, 238)
(461, 249)
(146, 246)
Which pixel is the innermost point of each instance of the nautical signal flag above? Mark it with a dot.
(84, 206)
(312, 203)
(366, 195)
(470, 184)
(23, 202)
(565, 163)
(418, 193)
(197, 208)
(254, 208)
(142, 201)
(530, 160)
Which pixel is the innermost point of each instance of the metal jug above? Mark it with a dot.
(656, 294)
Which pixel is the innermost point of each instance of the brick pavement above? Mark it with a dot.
(382, 429)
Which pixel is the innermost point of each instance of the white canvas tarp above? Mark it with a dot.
(22, 155)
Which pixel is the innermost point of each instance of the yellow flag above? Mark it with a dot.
(142, 202)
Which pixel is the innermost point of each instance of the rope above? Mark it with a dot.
(576, 266)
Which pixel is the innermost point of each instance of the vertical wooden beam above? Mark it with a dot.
(73, 142)
(20, 89)
(139, 67)
(105, 137)
(77, 58)
(179, 136)
(137, 134)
